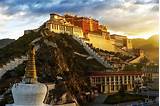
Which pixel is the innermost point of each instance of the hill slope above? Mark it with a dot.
(150, 47)
(52, 61)
(17, 48)
(4, 42)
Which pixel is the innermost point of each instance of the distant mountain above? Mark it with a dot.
(4, 42)
(154, 40)
(150, 47)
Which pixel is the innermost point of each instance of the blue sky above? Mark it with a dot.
(134, 18)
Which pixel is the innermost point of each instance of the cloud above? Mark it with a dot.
(127, 16)
(47, 6)
(147, 2)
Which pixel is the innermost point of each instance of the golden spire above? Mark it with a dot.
(30, 71)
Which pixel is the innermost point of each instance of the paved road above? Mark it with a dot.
(124, 104)
(121, 104)
(101, 97)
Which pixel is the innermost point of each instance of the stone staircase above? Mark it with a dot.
(92, 52)
(86, 47)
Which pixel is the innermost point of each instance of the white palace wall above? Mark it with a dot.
(99, 41)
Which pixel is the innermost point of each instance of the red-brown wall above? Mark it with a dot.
(82, 22)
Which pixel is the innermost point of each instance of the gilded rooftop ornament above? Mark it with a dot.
(30, 76)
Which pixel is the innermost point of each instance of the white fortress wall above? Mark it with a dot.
(78, 31)
(99, 41)
(12, 64)
(92, 53)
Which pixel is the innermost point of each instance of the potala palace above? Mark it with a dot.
(108, 54)
(89, 30)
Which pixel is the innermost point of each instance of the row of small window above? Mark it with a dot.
(61, 27)
(113, 83)
(77, 30)
(102, 79)
(67, 28)
(54, 26)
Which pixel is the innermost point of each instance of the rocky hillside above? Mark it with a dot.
(58, 55)
(4, 42)
(150, 47)
(17, 48)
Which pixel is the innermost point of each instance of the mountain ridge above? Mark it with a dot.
(150, 47)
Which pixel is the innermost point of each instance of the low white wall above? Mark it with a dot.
(12, 64)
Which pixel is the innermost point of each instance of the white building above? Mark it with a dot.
(111, 82)
(58, 24)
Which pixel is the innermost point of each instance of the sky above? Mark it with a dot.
(133, 18)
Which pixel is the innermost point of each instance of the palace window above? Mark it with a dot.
(125, 79)
(112, 78)
(107, 80)
(128, 78)
(103, 80)
(98, 79)
(121, 79)
(117, 86)
(61, 27)
(132, 78)
(112, 87)
(116, 78)
(93, 80)
(56, 27)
